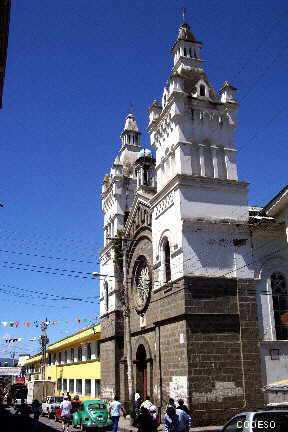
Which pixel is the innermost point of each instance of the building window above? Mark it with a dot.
(97, 388)
(79, 356)
(167, 261)
(79, 386)
(54, 359)
(97, 350)
(87, 387)
(185, 52)
(65, 357)
(106, 296)
(72, 355)
(64, 384)
(59, 384)
(59, 357)
(71, 386)
(88, 357)
(280, 305)
(202, 90)
(49, 359)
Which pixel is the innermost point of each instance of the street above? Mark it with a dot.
(15, 423)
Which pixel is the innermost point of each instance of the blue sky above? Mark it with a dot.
(73, 69)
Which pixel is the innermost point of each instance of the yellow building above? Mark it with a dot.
(73, 363)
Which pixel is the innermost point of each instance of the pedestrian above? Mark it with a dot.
(65, 407)
(36, 409)
(182, 406)
(75, 404)
(147, 403)
(171, 420)
(145, 421)
(171, 403)
(115, 409)
(153, 410)
(185, 421)
(68, 396)
(137, 403)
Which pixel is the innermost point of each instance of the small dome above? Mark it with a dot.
(145, 153)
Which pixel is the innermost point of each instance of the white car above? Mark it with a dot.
(258, 421)
(50, 404)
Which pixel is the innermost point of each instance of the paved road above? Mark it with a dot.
(9, 422)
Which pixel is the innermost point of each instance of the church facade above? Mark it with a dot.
(201, 267)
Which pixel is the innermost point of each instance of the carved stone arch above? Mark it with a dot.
(141, 340)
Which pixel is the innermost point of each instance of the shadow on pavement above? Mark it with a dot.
(10, 422)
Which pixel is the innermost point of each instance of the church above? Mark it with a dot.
(193, 295)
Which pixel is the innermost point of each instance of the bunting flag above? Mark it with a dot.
(54, 322)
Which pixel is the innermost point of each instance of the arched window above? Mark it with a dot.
(167, 261)
(106, 296)
(280, 305)
(202, 90)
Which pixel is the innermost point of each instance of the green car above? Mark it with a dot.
(92, 414)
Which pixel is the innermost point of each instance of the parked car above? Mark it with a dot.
(50, 404)
(258, 421)
(92, 414)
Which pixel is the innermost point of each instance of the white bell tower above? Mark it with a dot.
(192, 131)
(118, 192)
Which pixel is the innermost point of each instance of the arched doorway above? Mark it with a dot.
(141, 371)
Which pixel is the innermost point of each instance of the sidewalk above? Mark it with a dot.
(124, 426)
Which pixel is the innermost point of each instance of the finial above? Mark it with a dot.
(184, 10)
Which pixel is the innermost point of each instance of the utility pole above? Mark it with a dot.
(43, 342)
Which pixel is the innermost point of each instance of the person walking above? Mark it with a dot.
(145, 422)
(171, 420)
(36, 409)
(171, 403)
(115, 409)
(185, 419)
(65, 407)
(147, 403)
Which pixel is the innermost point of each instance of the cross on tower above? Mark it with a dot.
(184, 10)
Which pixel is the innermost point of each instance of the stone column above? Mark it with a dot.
(202, 160)
(215, 162)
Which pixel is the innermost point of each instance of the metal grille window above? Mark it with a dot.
(59, 384)
(97, 388)
(88, 357)
(64, 384)
(280, 305)
(71, 386)
(79, 386)
(87, 387)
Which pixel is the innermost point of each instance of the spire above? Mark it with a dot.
(130, 135)
(186, 49)
(130, 123)
(185, 33)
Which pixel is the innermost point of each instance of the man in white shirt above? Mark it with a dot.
(147, 403)
(114, 410)
(65, 407)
